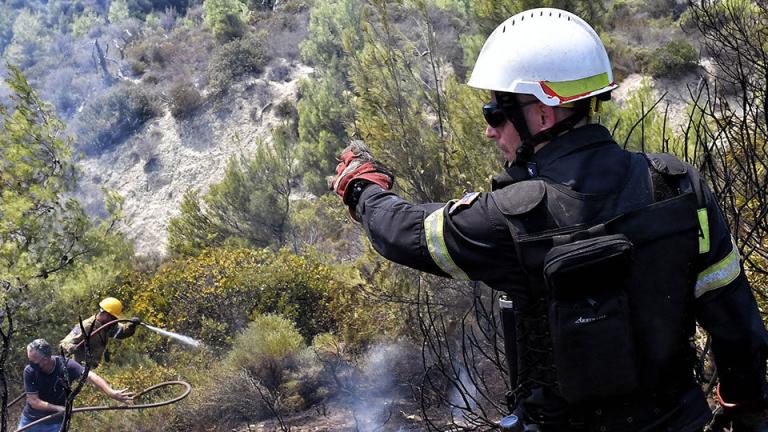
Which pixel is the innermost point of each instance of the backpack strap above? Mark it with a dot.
(670, 177)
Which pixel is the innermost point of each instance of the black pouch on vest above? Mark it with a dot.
(589, 317)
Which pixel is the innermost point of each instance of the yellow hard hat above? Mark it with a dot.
(112, 306)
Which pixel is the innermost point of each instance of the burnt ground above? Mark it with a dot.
(365, 416)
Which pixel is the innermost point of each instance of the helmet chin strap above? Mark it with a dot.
(513, 110)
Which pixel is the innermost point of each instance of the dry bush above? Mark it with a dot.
(231, 401)
(113, 116)
(153, 51)
(286, 110)
(279, 73)
(229, 62)
(184, 99)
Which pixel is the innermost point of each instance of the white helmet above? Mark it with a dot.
(548, 53)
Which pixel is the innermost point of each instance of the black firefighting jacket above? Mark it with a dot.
(470, 239)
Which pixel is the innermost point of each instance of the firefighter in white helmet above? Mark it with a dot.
(110, 310)
(608, 258)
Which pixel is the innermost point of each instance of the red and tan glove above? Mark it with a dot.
(357, 164)
(738, 417)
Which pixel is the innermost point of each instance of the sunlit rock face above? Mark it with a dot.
(155, 167)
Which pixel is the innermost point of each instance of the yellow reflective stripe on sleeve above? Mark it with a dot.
(703, 231)
(719, 274)
(433, 229)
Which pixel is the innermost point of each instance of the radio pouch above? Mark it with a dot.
(589, 316)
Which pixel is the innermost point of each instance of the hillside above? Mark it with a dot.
(155, 166)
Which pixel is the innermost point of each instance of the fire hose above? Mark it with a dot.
(187, 390)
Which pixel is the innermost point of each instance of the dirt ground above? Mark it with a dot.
(337, 416)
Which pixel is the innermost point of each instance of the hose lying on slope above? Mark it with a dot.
(187, 390)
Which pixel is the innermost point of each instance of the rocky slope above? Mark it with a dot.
(154, 168)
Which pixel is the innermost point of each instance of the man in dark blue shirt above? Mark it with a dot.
(47, 380)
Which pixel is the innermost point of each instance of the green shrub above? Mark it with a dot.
(112, 117)
(246, 56)
(267, 349)
(184, 99)
(118, 11)
(673, 60)
(225, 18)
(83, 23)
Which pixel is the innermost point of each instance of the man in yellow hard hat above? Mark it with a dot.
(110, 311)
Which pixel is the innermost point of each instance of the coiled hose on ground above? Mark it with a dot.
(187, 390)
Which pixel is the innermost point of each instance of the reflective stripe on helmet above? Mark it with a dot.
(433, 230)
(719, 274)
(575, 89)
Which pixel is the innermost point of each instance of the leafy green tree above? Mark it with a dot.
(193, 230)
(234, 59)
(118, 11)
(212, 296)
(266, 348)
(333, 29)
(83, 23)
(674, 59)
(30, 39)
(251, 204)
(325, 108)
(412, 112)
(226, 18)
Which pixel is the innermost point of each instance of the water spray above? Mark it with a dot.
(175, 336)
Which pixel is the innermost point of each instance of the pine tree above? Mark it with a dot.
(43, 228)
(249, 207)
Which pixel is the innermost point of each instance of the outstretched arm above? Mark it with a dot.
(122, 395)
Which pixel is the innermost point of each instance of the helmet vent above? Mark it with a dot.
(504, 29)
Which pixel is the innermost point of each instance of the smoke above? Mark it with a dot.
(380, 385)
(463, 395)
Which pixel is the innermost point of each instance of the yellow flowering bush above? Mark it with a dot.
(213, 295)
